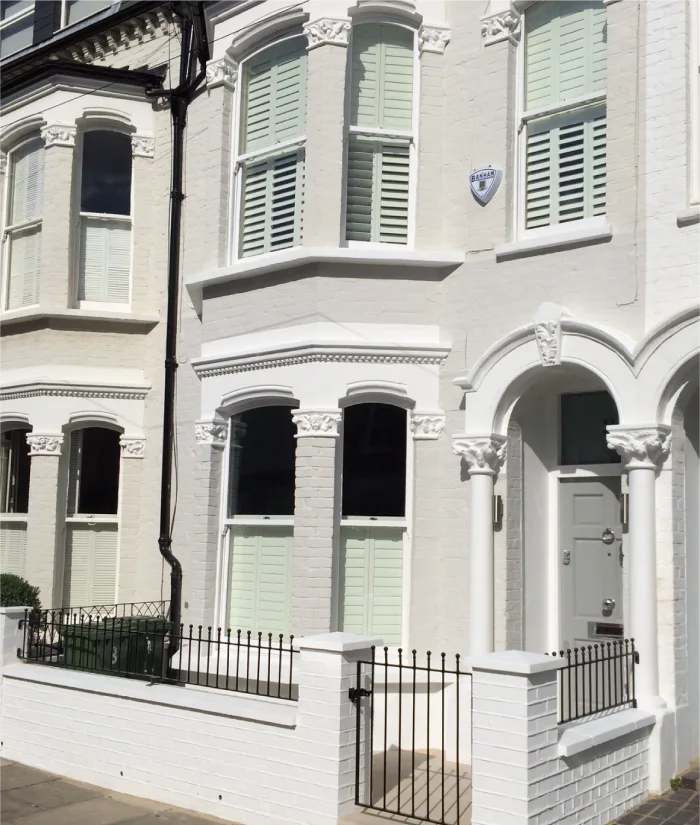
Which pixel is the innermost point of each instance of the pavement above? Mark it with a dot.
(32, 797)
(680, 806)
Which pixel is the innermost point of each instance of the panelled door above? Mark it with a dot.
(590, 560)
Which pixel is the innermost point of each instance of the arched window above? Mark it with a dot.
(373, 521)
(564, 112)
(259, 520)
(270, 162)
(14, 505)
(380, 134)
(23, 224)
(105, 218)
(92, 501)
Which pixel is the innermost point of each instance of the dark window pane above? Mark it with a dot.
(584, 419)
(14, 467)
(99, 472)
(106, 179)
(79, 9)
(374, 460)
(261, 465)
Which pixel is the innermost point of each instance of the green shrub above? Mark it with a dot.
(17, 592)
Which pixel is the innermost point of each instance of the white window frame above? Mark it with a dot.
(7, 227)
(240, 158)
(411, 137)
(99, 306)
(522, 118)
(16, 18)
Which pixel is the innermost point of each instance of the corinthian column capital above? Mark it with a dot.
(484, 454)
(641, 447)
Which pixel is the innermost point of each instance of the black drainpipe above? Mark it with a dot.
(193, 45)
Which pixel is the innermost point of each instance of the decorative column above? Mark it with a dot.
(205, 533)
(484, 456)
(43, 526)
(134, 549)
(325, 138)
(57, 228)
(643, 450)
(314, 519)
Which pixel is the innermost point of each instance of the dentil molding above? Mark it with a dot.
(132, 447)
(427, 426)
(500, 27)
(210, 432)
(316, 423)
(44, 444)
(222, 72)
(483, 454)
(59, 134)
(143, 146)
(327, 31)
(645, 447)
(433, 39)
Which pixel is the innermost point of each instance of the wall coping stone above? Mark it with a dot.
(338, 642)
(582, 735)
(519, 662)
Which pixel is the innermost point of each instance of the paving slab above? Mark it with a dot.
(675, 807)
(15, 775)
(100, 811)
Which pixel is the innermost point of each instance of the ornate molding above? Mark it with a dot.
(483, 454)
(645, 447)
(13, 393)
(210, 432)
(222, 72)
(132, 447)
(143, 146)
(327, 31)
(427, 426)
(44, 444)
(500, 27)
(433, 39)
(316, 422)
(59, 134)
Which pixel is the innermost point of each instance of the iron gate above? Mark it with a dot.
(413, 737)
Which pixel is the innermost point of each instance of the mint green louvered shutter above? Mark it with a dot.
(377, 185)
(274, 112)
(13, 541)
(565, 51)
(25, 244)
(371, 581)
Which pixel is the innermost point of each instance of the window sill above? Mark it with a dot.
(577, 737)
(76, 317)
(689, 216)
(303, 256)
(555, 241)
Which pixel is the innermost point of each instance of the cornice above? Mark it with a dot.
(50, 389)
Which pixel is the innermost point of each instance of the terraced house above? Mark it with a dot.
(85, 177)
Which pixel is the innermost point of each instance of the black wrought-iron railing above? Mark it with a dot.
(136, 646)
(597, 678)
(123, 610)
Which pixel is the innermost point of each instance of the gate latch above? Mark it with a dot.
(355, 694)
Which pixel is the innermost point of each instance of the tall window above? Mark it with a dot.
(16, 25)
(380, 134)
(565, 113)
(259, 520)
(105, 218)
(90, 574)
(373, 521)
(270, 163)
(23, 224)
(14, 502)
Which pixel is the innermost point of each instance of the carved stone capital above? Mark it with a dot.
(3, 163)
(499, 27)
(222, 72)
(433, 39)
(59, 134)
(143, 146)
(426, 426)
(645, 447)
(132, 447)
(316, 423)
(210, 432)
(484, 454)
(44, 444)
(327, 31)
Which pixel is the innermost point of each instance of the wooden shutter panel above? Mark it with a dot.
(74, 456)
(76, 576)
(565, 51)
(13, 538)
(371, 581)
(105, 261)
(24, 260)
(104, 564)
(27, 182)
(359, 187)
(599, 163)
(381, 93)
(275, 96)
(393, 172)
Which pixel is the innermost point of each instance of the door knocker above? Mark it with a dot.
(608, 536)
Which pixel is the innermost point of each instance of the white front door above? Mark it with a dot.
(590, 561)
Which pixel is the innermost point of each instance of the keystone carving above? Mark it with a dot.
(45, 444)
(327, 31)
(483, 454)
(433, 39)
(641, 447)
(321, 423)
(500, 27)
